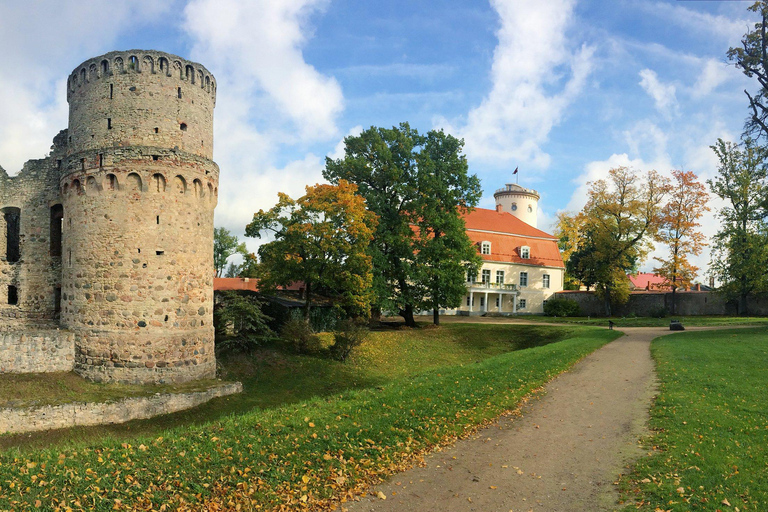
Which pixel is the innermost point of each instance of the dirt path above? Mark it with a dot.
(563, 454)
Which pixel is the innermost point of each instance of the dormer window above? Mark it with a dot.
(485, 248)
(525, 252)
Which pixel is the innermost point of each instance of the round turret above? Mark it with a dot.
(521, 202)
(139, 190)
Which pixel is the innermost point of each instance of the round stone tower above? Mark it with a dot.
(138, 190)
(521, 202)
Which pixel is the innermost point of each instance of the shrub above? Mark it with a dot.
(658, 312)
(299, 337)
(557, 306)
(349, 334)
(242, 315)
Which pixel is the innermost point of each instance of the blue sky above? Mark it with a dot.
(562, 89)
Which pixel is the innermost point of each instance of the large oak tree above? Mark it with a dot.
(417, 185)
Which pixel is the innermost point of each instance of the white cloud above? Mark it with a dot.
(712, 75)
(38, 57)
(338, 151)
(663, 94)
(725, 28)
(254, 49)
(535, 76)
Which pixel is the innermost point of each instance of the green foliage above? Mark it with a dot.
(740, 254)
(298, 336)
(225, 244)
(417, 185)
(271, 458)
(659, 312)
(557, 306)
(242, 312)
(622, 215)
(710, 440)
(350, 334)
(320, 241)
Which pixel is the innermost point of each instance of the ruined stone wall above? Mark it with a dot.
(36, 275)
(32, 351)
(139, 190)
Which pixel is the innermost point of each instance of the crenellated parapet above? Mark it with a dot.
(141, 61)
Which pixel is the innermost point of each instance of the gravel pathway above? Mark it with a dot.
(563, 454)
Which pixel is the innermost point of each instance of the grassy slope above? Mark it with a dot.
(710, 423)
(314, 448)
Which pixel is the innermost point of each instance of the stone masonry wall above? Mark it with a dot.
(83, 414)
(36, 352)
(688, 303)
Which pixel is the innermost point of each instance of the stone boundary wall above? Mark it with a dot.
(37, 351)
(48, 417)
(647, 303)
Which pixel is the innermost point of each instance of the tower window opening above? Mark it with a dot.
(157, 130)
(139, 250)
(13, 295)
(57, 220)
(159, 253)
(69, 259)
(111, 90)
(101, 160)
(158, 219)
(13, 234)
(57, 301)
(82, 164)
(58, 164)
(183, 127)
(109, 123)
(155, 157)
(178, 92)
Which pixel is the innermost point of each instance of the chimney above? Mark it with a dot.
(498, 208)
(698, 287)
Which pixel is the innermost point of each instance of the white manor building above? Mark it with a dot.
(522, 266)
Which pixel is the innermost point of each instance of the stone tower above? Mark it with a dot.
(138, 188)
(521, 202)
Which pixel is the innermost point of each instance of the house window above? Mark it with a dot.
(482, 301)
(525, 252)
(521, 304)
(486, 276)
(468, 300)
(485, 248)
(498, 302)
(499, 277)
(530, 209)
(514, 207)
(523, 279)
(545, 281)
(471, 277)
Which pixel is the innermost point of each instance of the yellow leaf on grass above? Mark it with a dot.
(381, 495)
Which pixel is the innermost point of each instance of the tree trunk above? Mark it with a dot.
(407, 315)
(436, 317)
(607, 301)
(307, 303)
(674, 300)
(743, 310)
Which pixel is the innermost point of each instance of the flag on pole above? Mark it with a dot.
(515, 171)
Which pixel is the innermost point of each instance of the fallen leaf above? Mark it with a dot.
(381, 495)
(725, 502)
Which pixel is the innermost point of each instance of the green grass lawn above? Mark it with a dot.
(709, 450)
(692, 321)
(306, 430)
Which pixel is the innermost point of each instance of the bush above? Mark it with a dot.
(241, 315)
(349, 334)
(658, 312)
(299, 337)
(561, 307)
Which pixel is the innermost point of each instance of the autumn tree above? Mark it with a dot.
(417, 185)
(620, 218)
(740, 255)
(678, 230)
(752, 59)
(225, 244)
(321, 240)
(568, 230)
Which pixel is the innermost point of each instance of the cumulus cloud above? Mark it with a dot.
(713, 74)
(663, 94)
(255, 48)
(38, 57)
(536, 74)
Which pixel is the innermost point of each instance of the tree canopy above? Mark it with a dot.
(225, 244)
(418, 186)
(622, 214)
(740, 255)
(679, 231)
(320, 241)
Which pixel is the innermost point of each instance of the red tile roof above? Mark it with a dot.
(507, 234)
(235, 283)
(648, 281)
